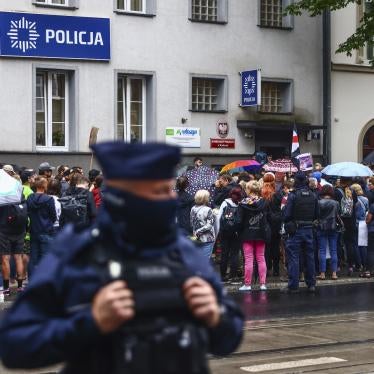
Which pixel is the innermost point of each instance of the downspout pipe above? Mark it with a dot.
(326, 62)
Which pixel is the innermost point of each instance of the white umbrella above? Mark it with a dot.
(348, 170)
(10, 189)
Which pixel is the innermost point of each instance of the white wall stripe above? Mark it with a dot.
(291, 364)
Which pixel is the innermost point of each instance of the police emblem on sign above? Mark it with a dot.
(23, 34)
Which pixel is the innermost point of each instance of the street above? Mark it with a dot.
(328, 332)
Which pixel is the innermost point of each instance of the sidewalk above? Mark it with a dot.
(274, 283)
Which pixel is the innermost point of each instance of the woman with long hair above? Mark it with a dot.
(253, 234)
(274, 200)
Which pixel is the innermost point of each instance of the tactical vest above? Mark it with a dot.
(304, 206)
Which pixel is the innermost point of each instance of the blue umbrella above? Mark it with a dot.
(348, 170)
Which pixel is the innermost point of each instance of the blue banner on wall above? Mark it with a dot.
(50, 36)
(251, 88)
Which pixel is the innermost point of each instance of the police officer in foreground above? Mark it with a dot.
(300, 214)
(128, 294)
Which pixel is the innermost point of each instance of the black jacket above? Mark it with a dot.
(253, 218)
(91, 206)
(42, 213)
(222, 193)
(185, 204)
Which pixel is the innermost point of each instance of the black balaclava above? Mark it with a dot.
(147, 222)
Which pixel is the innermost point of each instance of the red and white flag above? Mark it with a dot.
(295, 148)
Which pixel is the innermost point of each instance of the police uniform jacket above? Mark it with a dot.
(51, 322)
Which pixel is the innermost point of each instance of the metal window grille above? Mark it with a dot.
(271, 98)
(53, 2)
(204, 10)
(271, 13)
(204, 94)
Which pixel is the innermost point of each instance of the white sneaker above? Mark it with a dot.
(263, 287)
(245, 288)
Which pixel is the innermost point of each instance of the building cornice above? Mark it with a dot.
(352, 68)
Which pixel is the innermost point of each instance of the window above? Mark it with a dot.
(209, 94)
(271, 14)
(366, 54)
(204, 10)
(214, 11)
(276, 97)
(58, 3)
(131, 5)
(131, 109)
(51, 110)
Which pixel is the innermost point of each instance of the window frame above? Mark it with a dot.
(222, 97)
(362, 53)
(149, 9)
(48, 99)
(287, 21)
(222, 13)
(70, 4)
(127, 104)
(287, 97)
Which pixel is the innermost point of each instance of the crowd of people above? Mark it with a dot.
(297, 226)
(300, 226)
(48, 203)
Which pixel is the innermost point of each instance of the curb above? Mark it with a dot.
(232, 288)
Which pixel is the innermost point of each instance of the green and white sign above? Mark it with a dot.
(187, 137)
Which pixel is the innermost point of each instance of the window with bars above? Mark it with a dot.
(138, 6)
(58, 3)
(214, 11)
(271, 14)
(205, 10)
(131, 109)
(276, 97)
(208, 94)
(51, 110)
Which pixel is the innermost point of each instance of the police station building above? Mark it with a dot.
(167, 70)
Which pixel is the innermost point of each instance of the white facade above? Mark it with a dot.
(166, 49)
(352, 90)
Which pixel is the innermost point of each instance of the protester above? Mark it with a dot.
(46, 170)
(13, 223)
(97, 190)
(347, 200)
(229, 226)
(202, 222)
(54, 190)
(370, 191)
(62, 171)
(185, 204)
(198, 161)
(42, 214)
(327, 231)
(274, 199)
(27, 179)
(92, 174)
(361, 210)
(222, 188)
(77, 203)
(254, 234)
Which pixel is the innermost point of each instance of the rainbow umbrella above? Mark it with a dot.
(242, 165)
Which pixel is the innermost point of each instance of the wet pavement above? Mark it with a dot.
(331, 331)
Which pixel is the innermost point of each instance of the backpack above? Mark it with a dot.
(230, 219)
(346, 206)
(17, 218)
(74, 209)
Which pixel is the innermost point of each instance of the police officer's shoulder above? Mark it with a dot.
(72, 240)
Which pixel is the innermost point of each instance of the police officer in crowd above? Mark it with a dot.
(128, 294)
(300, 214)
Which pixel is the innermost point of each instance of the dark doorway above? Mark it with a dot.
(276, 152)
(368, 145)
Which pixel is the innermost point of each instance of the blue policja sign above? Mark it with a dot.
(251, 88)
(39, 35)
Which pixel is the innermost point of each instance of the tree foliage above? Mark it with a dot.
(365, 31)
